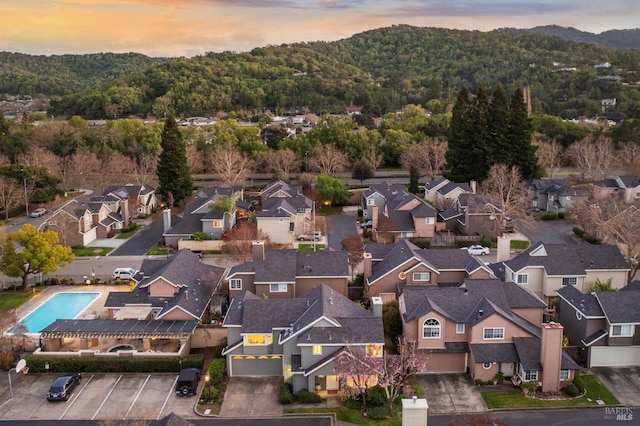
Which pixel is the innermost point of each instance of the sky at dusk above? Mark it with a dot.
(194, 27)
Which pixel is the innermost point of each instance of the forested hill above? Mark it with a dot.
(381, 70)
(617, 39)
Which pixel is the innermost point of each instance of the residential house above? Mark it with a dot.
(411, 216)
(555, 195)
(546, 268)
(479, 215)
(289, 273)
(431, 189)
(442, 193)
(486, 327)
(298, 339)
(605, 325)
(628, 187)
(389, 267)
(286, 213)
(199, 216)
(74, 224)
(141, 199)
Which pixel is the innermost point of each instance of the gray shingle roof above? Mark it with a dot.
(620, 308)
(434, 183)
(585, 303)
(444, 190)
(494, 352)
(528, 349)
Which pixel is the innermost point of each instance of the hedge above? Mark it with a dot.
(285, 396)
(217, 370)
(572, 390)
(94, 364)
(306, 397)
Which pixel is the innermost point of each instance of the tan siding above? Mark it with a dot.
(338, 285)
(432, 343)
(533, 315)
(495, 320)
(388, 283)
(161, 288)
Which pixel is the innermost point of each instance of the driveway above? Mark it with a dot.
(624, 383)
(451, 394)
(252, 397)
(339, 227)
(551, 232)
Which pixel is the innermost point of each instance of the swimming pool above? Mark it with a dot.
(60, 306)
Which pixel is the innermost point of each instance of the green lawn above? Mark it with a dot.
(309, 247)
(11, 300)
(158, 250)
(515, 399)
(91, 251)
(519, 244)
(349, 415)
(125, 235)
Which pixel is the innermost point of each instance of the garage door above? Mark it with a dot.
(446, 363)
(614, 356)
(258, 365)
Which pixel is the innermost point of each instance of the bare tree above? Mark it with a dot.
(229, 165)
(594, 157)
(281, 163)
(549, 153)
(629, 158)
(354, 246)
(40, 157)
(428, 156)
(328, 160)
(384, 229)
(239, 240)
(11, 194)
(195, 162)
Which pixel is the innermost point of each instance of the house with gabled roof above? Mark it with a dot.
(74, 224)
(298, 339)
(605, 325)
(410, 215)
(389, 267)
(286, 213)
(627, 187)
(288, 273)
(141, 199)
(546, 268)
(199, 216)
(478, 214)
(486, 327)
(555, 195)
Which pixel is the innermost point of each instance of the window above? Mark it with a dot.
(431, 329)
(552, 302)
(278, 288)
(428, 220)
(521, 279)
(460, 328)
(374, 351)
(257, 339)
(235, 284)
(496, 333)
(486, 365)
(625, 330)
(530, 375)
(421, 276)
(217, 224)
(564, 374)
(317, 350)
(371, 202)
(569, 280)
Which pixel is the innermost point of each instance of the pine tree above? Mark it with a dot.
(523, 152)
(175, 183)
(498, 128)
(414, 178)
(460, 139)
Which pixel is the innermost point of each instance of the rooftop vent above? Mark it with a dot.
(480, 312)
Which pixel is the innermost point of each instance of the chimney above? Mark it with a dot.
(125, 212)
(166, 219)
(504, 248)
(473, 185)
(257, 249)
(366, 269)
(376, 305)
(551, 356)
(374, 217)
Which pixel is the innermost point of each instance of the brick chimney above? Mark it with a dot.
(551, 356)
(366, 262)
(257, 250)
(374, 217)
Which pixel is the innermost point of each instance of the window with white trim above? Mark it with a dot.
(460, 328)
(217, 224)
(569, 280)
(317, 349)
(371, 202)
(495, 333)
(429, 220)
(235, 284)
(564, 374)
(624, 330)
(530, 375)
(521, 279)
(278, 288)
(431, 329)
(421, 276)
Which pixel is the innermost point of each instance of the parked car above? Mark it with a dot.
(308, 237)
(187, 384)
(63, 386)
(38, 212)
(477, 250)
(367, 224)
(124, 274)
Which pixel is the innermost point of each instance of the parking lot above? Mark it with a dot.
(98, 397)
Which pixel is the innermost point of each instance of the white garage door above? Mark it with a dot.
(614, 356)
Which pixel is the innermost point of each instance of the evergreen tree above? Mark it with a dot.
(362, 170)
(175, 183)
(480, 149)
(523, 152)
(414, 177)
(460, 140)
(498, 128)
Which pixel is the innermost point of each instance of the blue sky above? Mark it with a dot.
(192, 27)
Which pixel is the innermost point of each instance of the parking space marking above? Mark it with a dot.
(106, 397)
(166, 400)
(136, 397)
(76, 395)
(38, 407)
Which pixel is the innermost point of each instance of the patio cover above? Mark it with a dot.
(85, 329)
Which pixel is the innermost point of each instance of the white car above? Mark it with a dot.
(38, 212)
(477, 250)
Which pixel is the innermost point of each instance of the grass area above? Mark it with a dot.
(519, 244)
(13, 300)
(349, 415)
(158, 250)
(91, 251)
(328, 211)
(515, 399)
(309, 247)
(133, 228)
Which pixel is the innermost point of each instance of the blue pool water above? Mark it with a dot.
(60, 306)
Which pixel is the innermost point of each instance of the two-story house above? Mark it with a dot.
(289, 273)
(389, 267)
(141, 199)
(604, 324)
(478, 214)
(486, 327)
(410, 215)
(286, 213)
(299, 338)
(442, 193)
(74, 224)
(555, 195)
(546, 268)
(628, 187)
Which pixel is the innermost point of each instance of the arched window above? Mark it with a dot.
(431, 329)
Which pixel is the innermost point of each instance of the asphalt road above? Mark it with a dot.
(339, 227)
(573, 417)
(551, 232)
(141, 242)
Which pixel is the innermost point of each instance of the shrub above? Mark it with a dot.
(486, 241)
(499, 377)
(377, 413)
(306, 397)
(549, 216)
(352, 403)
(572, 390)
(115, 365)
(376, 396)
(579, 383)
(391, 320)
(285, 396)
(478, 382)
(217, 370)
(578, 232)
(200, 236)
(422, 243)
(417, 390)
(561, 215)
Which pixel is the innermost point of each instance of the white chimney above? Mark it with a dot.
(166, 219)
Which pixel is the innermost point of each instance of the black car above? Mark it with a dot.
(187, 383)
(63, 386)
